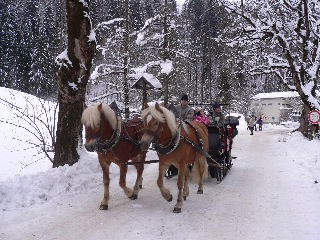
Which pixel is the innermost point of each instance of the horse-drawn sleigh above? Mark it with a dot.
(176, 142)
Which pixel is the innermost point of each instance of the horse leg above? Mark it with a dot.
(178, 206)
(203, 173)
(164, 191)
(186, 183)
(122, 181)
(104, 163)
(138, 183)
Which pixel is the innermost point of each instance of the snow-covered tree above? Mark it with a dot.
(75, 65)
(157, 38)
(290, 31)
(116, 38)
(31, 33)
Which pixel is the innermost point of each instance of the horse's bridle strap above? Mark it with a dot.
(93, 135)
(150, 132)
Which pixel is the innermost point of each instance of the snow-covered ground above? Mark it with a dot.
(270, 193)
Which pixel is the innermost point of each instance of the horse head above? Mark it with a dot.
(99, 121)
(158, 122)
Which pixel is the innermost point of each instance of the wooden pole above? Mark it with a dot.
(144, 95)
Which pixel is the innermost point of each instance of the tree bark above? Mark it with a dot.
(72, 79)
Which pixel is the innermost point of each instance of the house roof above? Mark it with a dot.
(150, 81)
(276, 95)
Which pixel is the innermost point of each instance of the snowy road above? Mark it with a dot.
(269, 194)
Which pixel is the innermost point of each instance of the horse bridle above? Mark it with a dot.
(93, 135)
(168, 148)
(107, 144)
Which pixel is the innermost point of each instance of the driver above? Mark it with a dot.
(185, 112)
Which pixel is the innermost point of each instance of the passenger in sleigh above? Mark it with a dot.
(200, 116)
(216, 130)
(217, 119)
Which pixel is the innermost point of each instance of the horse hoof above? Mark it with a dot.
(185, 198)
(134, 196)
(200, 192)
(140, 186)
(177, 210)
(103, 207)
(169, 199)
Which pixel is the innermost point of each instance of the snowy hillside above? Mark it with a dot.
(18, 150)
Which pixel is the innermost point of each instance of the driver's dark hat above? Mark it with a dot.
(184, 97)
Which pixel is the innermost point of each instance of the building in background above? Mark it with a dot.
(276, 107)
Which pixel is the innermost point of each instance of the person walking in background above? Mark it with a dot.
(184, 111)
(255, 123)
(260, 122)
(200, 116)
(251, 124)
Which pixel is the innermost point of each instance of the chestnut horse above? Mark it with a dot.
(176, 144)
(114, 141)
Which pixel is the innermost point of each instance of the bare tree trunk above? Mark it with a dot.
(72, 79)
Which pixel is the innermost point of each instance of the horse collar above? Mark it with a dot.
(172, 145)
(108, 144)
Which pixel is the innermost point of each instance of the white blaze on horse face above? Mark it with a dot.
(149, 118)
(147, 138)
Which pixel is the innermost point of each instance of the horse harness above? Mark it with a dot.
(118, 135)
(171, 146)
(174, 143)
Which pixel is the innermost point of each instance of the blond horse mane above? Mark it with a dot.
(91, 116)
(164, 116)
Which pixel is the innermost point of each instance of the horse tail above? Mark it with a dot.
(200, 169)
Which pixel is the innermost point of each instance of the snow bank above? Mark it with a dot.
(25, 191)
(305, 153)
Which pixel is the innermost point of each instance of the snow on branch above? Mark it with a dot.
(110, 22)
(63, 60)
(166, 67)
(143, 69)
(84, 3)
(105, 69)
(308, 89)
